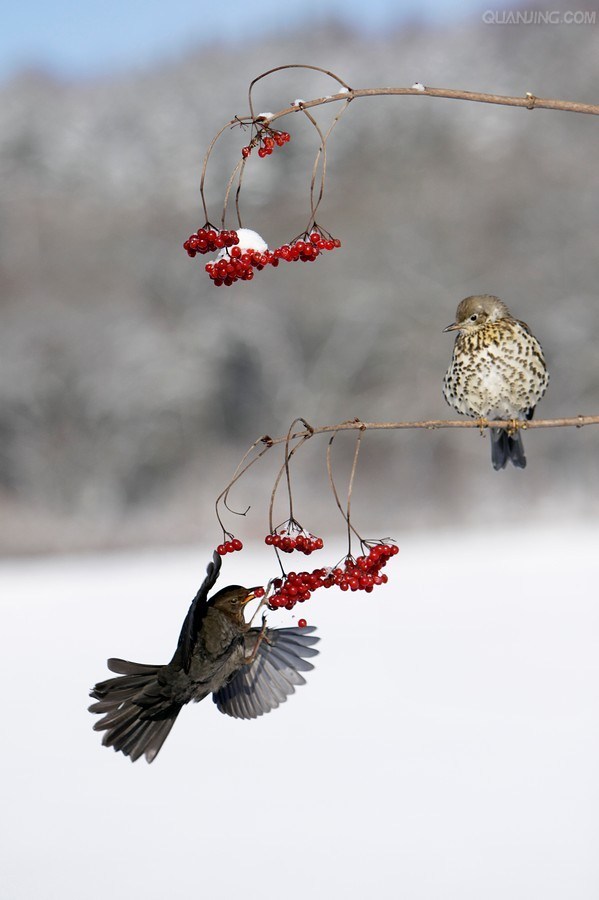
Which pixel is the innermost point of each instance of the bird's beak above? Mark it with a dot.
(454, 327)
(251, 594)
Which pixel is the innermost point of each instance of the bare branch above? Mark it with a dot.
(433, 424)
(529, 101)
(346, 95)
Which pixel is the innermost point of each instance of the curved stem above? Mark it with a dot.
(529, 101)
(306, 435)
(322, 151)
(239, 471)
(346, 515)
(238, 168)
(350, 487)
(291, 66)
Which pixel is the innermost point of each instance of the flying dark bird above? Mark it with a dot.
(249, 671)
(497, 371)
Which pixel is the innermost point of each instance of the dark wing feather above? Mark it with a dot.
(197, 612)
(274, 674)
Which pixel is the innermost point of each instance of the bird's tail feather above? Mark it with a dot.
(137, 717)
(506, 447)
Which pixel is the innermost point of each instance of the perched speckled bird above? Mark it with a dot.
(497, 371)
(248, 670)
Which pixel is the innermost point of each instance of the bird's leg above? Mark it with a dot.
(261, 637)
(514, 427)
(262, 603)
(482, 424)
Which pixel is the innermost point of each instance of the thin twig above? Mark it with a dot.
(433, 424)
(346, 515)
(239, 471)
(529, 101)
(302, 438)
(205, 162)
(358, 425)
(238, 168)
(291, 66)
(322, 150)
(350, 486)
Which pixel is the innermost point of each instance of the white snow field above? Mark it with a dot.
(446, 744)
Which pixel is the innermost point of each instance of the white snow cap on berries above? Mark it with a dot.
(251, 240)
(248, 240)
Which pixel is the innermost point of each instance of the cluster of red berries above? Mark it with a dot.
(288, 541)
(267, 140)
(239, 265)
(361, 574)
(229, 547)
(306, 250)
(208, 239)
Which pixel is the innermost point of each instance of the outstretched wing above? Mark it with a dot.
(197, 612)
(274, 674)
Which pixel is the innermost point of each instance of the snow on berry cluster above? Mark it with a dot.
(229, 547)
(266, 141)
(361, 574)
(243, 251)
(291, 536)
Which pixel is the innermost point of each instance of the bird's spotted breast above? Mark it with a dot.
(497, 371)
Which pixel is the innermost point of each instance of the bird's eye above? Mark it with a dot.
(474, 317)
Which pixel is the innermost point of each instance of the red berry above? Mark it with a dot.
(245, 152)
(302, 623)
(221, 550)
(237, 545)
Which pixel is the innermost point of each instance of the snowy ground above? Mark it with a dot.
(446, 745)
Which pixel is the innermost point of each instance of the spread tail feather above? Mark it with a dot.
(506, 447)
(137, 720)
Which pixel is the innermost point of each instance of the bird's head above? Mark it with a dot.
(473, 313)
(231, 601)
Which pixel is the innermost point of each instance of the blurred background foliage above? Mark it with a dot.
(130, 386)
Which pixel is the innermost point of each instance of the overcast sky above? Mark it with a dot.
(70, 38)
